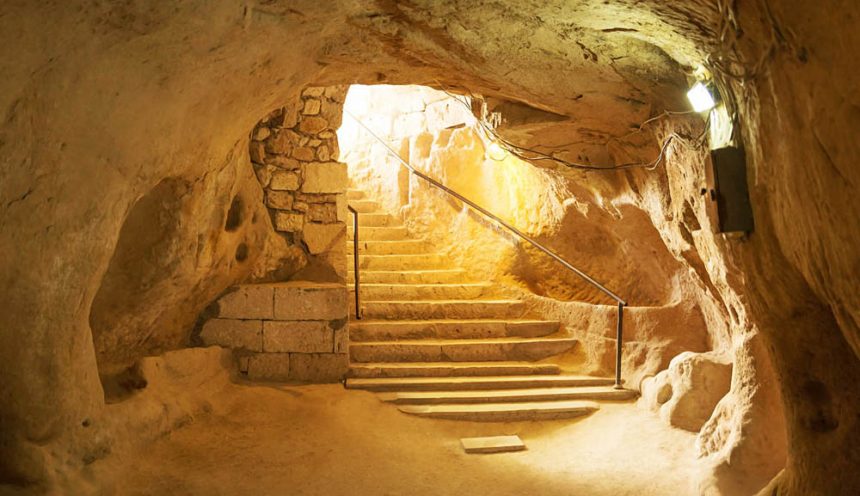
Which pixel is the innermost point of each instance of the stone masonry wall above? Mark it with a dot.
(292, 331)
(294, 151)
(296, 330)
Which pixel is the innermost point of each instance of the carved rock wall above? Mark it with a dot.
(102, 102)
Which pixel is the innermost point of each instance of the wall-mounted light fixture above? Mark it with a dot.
(702, 97)
(496, 152)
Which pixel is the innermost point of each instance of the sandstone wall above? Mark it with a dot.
(102, 102)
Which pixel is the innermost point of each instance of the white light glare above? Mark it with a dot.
(701, 98)
(496, 152)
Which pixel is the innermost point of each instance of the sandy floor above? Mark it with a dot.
(323, 440)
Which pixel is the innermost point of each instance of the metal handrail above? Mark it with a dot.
(355, 261)
(621, 303)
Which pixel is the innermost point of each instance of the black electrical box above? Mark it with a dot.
(734, 210)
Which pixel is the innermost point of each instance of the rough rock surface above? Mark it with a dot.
(688, 391)
(119, 111)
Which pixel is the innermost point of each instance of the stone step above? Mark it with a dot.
(355, 194)
(460, 350)
(365, 206)
(474, 383)
(443, 309)
(403, 247)
(456, 369)
(378, 233)
(606, 393)
(492, 444)
(504, 412)
(379, 291)
(439, 276)
(378, 220)
(388, 330)
(401, 262)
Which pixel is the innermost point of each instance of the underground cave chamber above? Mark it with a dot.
(413, 225)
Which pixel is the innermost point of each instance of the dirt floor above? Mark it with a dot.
(324, 440)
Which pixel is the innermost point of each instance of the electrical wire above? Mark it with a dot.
(532, 155)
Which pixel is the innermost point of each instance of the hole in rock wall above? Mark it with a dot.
(241, 252)
(145, 255)
(234, 215)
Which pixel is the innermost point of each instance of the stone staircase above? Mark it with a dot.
(436, 344)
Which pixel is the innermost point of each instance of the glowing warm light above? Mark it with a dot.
(496, 152)
(700, 97)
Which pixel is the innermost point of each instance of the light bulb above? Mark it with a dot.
(496, 152)
(700, 97)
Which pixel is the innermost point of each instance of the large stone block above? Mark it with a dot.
(318, 367)
(289, 221)
(283, 162)
(303, 337)
(312, 107)
(233, 333)
(279, 143)
(304, 153)
(269, 367)
(285, 181)
(301, 300)
(341, 339)
(341, 208)
(321, 238)
(281, 200)
(313, 125)
(322, 212)
(325, 177)
(253, 301)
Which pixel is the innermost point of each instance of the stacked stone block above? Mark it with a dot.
(294, 152)
(292, 331)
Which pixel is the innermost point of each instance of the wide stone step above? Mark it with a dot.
(365, 206)
(378, 291)
(401, 262)
(392, 330)
(460, 350)
(487, 383)
(377, 233)
(504, 412)
(436, 276)
(443, 309)
(378, 220)
(403, 247)
(451, 369)
(355, 194)
(604, 393)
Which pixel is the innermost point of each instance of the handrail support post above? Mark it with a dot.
(618, 346)
(355, 261)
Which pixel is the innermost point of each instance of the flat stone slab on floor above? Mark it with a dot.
(494, 444)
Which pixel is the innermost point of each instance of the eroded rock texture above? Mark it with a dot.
(134, 114)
